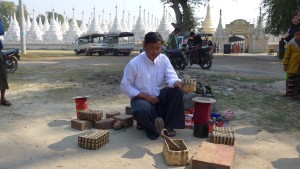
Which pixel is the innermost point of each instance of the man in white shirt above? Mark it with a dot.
(142, 81)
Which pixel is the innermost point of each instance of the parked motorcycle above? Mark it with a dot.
(179, 58)
(201, 56)
(10, 59)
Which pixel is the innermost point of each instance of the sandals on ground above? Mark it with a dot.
(5, 103)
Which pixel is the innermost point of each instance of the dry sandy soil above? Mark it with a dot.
(35, 131)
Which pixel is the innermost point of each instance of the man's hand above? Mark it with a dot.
(178, 84)
(285, 67)
(147, 97)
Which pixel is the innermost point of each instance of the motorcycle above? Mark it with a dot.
(10, 59)
(201, 56)
(178, 58)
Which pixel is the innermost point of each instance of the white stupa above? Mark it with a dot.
(64, 26)
(83, 27)
(13, 32)
(124, 24)
(139, 29)
(53, 34)
(94, 27)
(73, 32)
(145, 21)
(220, 33)
(28, 23)
(104, 27)
(46, 24)
(164, 27)
(109, 25)
(133, 23)
(259, 27)
(34, 34)
(128, 23)
(116, 27)
(207, 24)
(152, 23)
(41, 23)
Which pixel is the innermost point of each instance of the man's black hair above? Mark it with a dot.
(152, 37)
(177, 29)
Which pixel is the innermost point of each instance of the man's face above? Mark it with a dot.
(153, 50)
(295, 20)
(297, 35)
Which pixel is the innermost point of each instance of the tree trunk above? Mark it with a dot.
(178, 14)
(185, 27)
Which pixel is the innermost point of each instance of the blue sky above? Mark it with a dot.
(232, 9)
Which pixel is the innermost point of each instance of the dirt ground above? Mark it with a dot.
(35, 131)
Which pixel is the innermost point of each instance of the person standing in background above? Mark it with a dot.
(3, 73)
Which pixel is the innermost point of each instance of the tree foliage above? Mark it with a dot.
(185, 17)
(6, 11)
(279, 14)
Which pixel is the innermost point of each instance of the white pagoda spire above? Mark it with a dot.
(103, 24)
(124, 25)
(28, 23)
(133, 22)
(34, 34)
(13, 32)
(207, 24)
(46, 23)
(94, 27)
(145, 21)
(220, 33)
(259, 27)
(64, 27)
(139, 29)
(128, 23)
(116, 27)
(74, 31)
(53, 34)
(164, 28)
(109, 22)
(40, 23)
(83, 26)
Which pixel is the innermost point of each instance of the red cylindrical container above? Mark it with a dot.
(81, 104)
(201, 116)
(201, 113)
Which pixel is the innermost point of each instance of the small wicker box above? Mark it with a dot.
(93, 115)
(94, 139)
(222, 135)
(105, 124)
(126, 120)
(176, 157)
(112, 114)
(81, 124)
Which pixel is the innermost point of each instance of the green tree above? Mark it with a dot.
(183, 9)
(279, 14)
(6, 11)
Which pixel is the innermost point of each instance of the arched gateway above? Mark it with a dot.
(255, 40)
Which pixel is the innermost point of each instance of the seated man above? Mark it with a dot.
(142, 81)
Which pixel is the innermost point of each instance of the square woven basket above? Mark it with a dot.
(94, 139)
(178, 158)
(222, 135)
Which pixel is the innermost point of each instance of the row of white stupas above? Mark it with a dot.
(68, 32)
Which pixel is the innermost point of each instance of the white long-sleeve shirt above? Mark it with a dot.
(141, 75)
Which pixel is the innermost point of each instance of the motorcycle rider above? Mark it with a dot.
(172, 40)
(3, 73)
(195, 42)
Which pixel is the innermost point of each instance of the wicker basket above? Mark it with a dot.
(222, 135)
(176, 157)
(93, 115)
(125, 120)
(94, 139)
(112, 114)
(105, 124)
